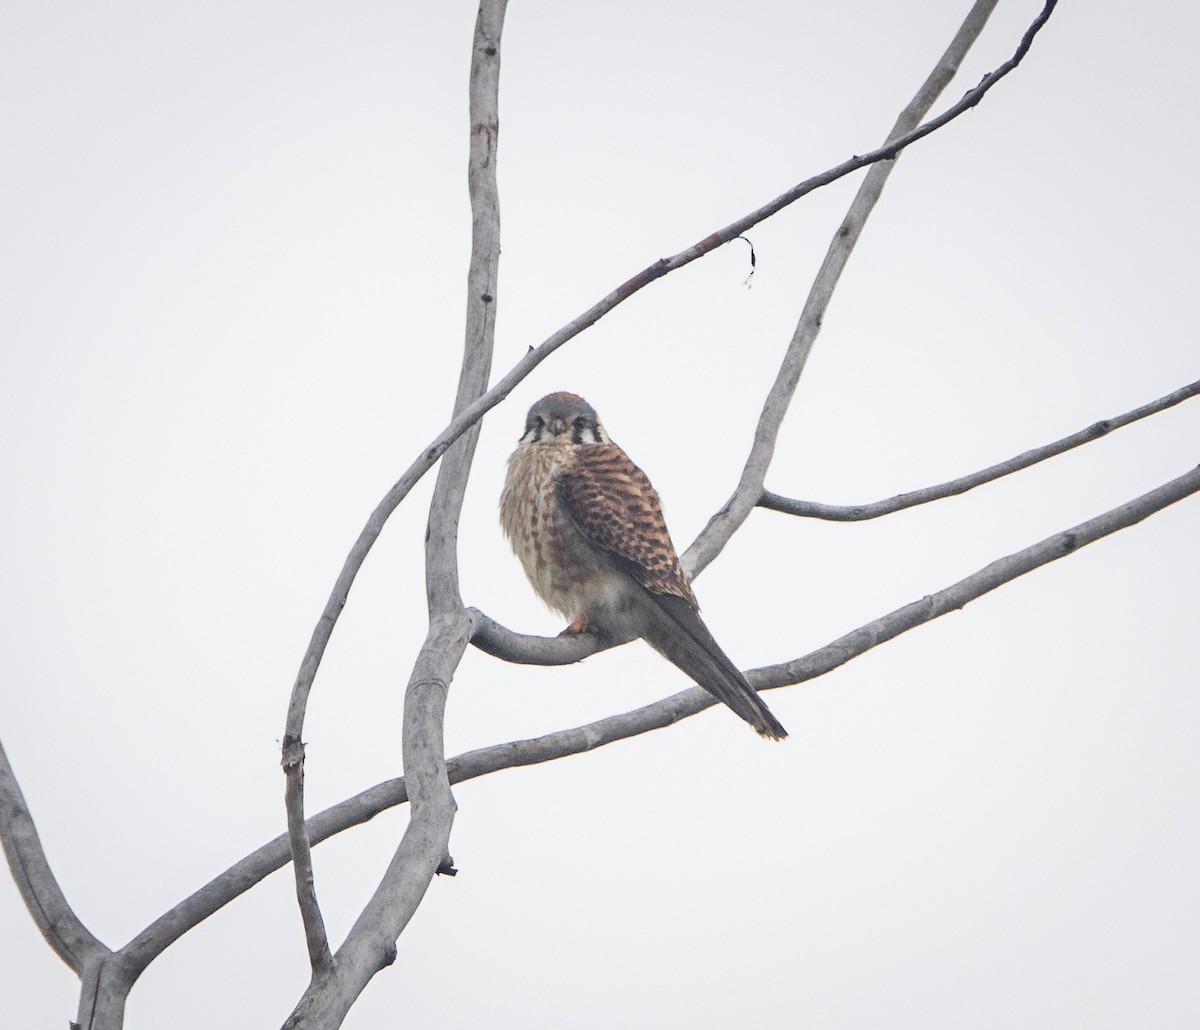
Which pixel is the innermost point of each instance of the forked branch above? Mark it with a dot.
(746, 496)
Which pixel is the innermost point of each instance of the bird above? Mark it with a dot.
(588, 528)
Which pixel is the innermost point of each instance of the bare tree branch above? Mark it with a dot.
(254, 868)
(424, 847)
(315, 937)
(62, 928)
(104, 988)
(481, 297)
(336, 985)
(105, 977)
(527, 649)
(954, 597)
(861, 512)
(831, 656)
(370, 946)
(366, 805)
(470, 415)
(730, 517)
(497, 640)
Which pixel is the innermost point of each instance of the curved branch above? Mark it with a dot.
(470, 415)
(424, 846)
(87, 955)
(730, 517)
(362, 807)
(317, 940)
(524, 649)
(832, 655)
(861, 512)
(73, 942)
(541, 650)
(255, 867)
(371, 944)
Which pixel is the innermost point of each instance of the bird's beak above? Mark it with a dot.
(557, 427)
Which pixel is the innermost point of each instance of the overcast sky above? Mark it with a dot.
(234, 242)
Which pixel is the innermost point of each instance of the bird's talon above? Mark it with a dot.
(578, 626)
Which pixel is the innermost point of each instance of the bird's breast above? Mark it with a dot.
(568, 572)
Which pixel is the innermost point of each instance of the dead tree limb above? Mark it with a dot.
(861, 512)
(424, 846)
(366, 805)
(730, 517)
(64, 932)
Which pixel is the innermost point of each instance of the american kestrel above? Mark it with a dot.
(589, 530)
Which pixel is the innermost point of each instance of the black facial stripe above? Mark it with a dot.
(585, 424)
(534, 424)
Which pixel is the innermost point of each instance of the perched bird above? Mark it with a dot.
(589, 530)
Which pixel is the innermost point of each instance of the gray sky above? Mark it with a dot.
(234, 243)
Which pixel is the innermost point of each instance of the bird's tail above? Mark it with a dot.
(681, 637)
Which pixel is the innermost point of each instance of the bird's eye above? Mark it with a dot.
(534, 424)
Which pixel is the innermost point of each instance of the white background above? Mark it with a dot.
(234, 248)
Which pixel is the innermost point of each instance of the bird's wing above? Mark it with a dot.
(612, 503)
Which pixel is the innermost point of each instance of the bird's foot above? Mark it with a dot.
(578, 626)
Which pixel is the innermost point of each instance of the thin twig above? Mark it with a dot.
(730, 517)
(861, 512)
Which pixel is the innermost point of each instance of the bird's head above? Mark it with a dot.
(560, 418)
